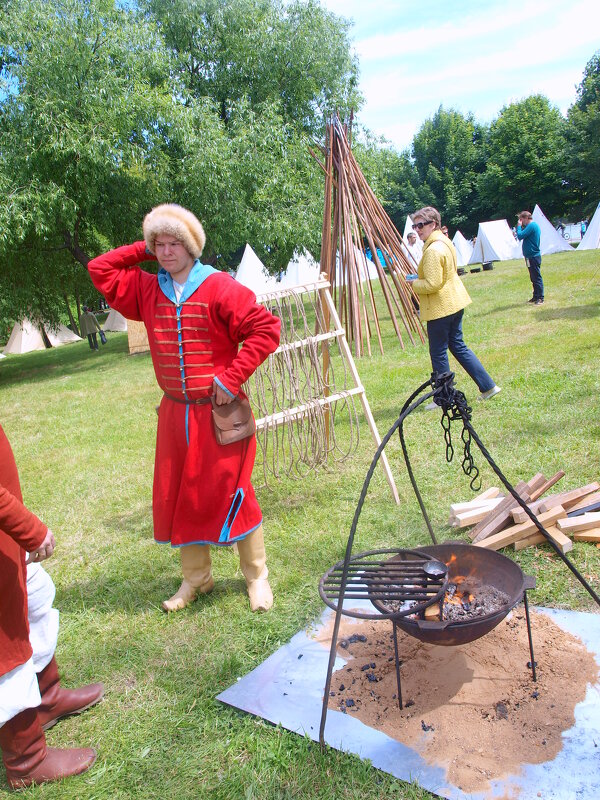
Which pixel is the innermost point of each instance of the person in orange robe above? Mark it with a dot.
(196, 318)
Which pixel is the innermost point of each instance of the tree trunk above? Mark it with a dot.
(73, 324)
(76, 251)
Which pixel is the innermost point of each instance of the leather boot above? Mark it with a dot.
(58, 702)
(197, 577)
(253, 562)
(27, 758)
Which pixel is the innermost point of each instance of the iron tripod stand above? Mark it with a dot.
(454, 407)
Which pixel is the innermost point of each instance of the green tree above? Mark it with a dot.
(272, 71)
(524, 161)
(82, 141)
(394, 179)
(583, 134)
(448, 158)
(107, 108)
(297, 54)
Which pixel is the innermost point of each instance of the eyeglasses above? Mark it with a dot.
(419, 225)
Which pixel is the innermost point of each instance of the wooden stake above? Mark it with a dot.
(547, 485)
(558, 537)
(593, 535)
(500, 516)
(583, 523)
(570, 500)
(465, 518)
(517, 532)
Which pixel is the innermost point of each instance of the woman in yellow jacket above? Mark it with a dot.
(443, 299)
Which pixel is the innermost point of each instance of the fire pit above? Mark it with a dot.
(494, 579)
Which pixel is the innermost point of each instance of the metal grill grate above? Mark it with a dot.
(412, 581)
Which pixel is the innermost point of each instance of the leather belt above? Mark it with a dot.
(203, 401)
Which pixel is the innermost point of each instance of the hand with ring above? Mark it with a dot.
(44, 551)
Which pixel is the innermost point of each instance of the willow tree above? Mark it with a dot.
(108, 108)
(80, 120)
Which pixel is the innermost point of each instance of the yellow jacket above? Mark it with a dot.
(441, 292)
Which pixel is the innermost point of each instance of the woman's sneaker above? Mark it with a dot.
(490, 393)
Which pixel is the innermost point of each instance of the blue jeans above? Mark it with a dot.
(534, 265)
(446, 334)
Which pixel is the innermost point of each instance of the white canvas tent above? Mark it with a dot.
(495, 242)
(301, 270)
(367, 271)
(550, 239)
(253, 274)
(464, 249)
(61, 335)
(114, 321)
(26, 337)
(591, 239)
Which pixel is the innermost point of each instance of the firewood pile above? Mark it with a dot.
(354, 220)
(497, 521)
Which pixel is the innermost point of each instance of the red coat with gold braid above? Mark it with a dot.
(20, 531)
(202, 490)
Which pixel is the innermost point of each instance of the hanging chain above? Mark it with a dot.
(455, 406)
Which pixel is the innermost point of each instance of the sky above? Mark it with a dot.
(474, 57)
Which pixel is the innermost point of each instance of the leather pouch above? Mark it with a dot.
(233, 421)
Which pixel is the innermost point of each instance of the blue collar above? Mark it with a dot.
(198, 274)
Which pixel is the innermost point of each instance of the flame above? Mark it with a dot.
(459, 597)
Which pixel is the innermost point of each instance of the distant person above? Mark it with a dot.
(88, 324)
(583, 228)
(529, 233)
(414, 246)
(31, 697)
(444, 230)
(443, 299)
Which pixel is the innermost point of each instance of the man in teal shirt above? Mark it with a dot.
(528, 232)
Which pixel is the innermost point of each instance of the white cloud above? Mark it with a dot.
(466, 55)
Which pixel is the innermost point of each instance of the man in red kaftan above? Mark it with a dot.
(31, 697)
(196, 318)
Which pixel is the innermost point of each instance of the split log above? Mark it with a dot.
(585, 510)
(591, 535)
(570, 500)
(517, 532)
(466, 518)
(477, 502)
(499, 517)
(583, 523)
(558, 537)
(520, 515)
(589, 499)
(432, 612)
(547, 485)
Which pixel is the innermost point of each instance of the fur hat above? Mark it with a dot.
(174, 220)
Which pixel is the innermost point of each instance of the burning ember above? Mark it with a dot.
(469, 602)
(466, 598)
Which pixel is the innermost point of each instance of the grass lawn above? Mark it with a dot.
(82, 425)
